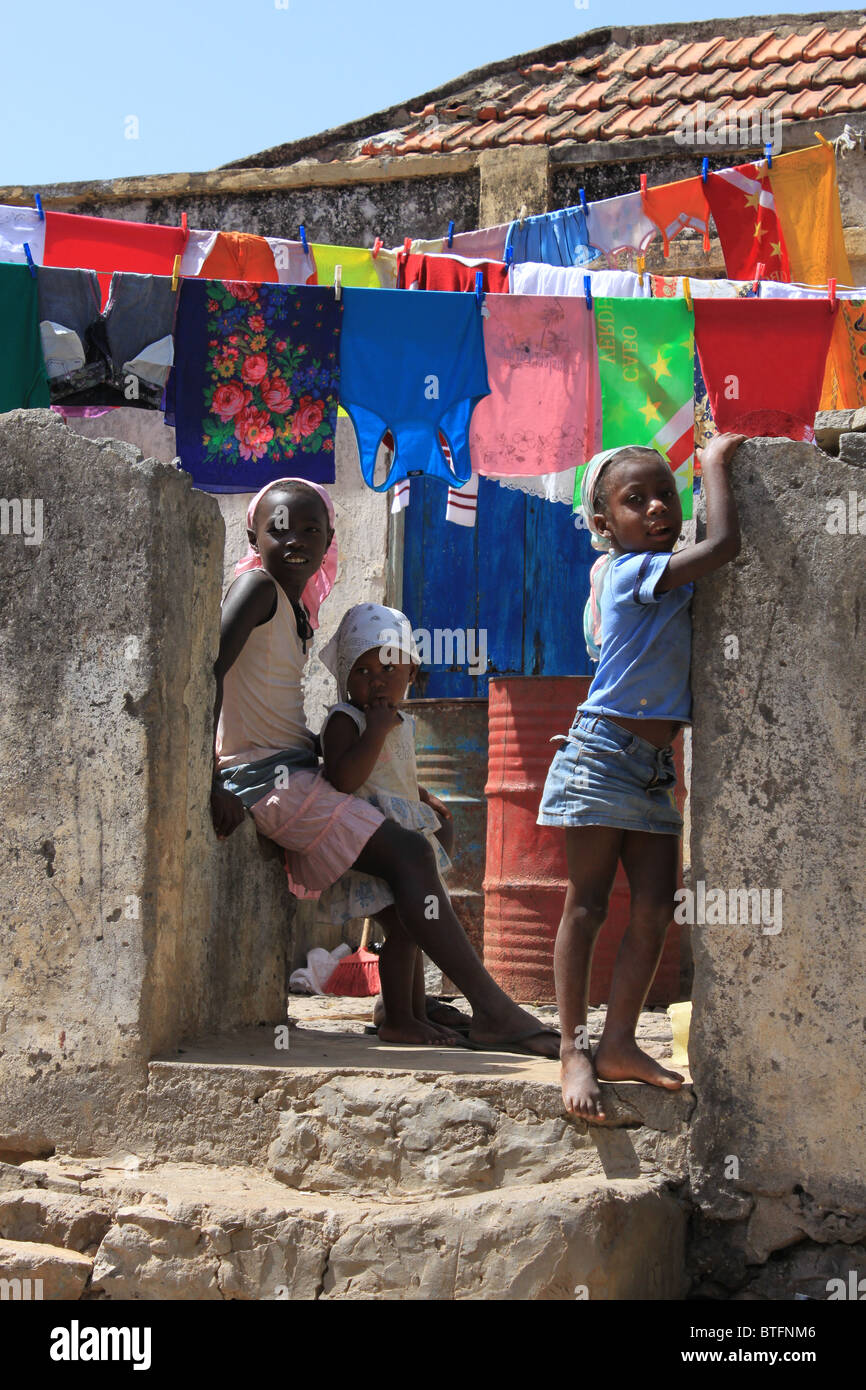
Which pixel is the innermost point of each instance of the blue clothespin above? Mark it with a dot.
(583, 202)
(705, 168)
(509, 255)
(303, 231)
(39, 208)
(479, 287)
(450, 235)
(768, 151)
(30, 260)
(587, 291)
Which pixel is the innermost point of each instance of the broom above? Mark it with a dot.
(358, 974)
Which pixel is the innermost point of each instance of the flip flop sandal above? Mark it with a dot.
(457, 1021)
(517, 1044)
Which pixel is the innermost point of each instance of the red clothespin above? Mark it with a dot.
(760, 271)
(643, 184)
(831, 290)
(377, 246)
(184, 227)
(407, 245)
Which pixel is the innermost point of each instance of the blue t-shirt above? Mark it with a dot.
(646, 643)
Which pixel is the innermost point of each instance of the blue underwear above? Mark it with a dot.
(412, 363)
(553, 238)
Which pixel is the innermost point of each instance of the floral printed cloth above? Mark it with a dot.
(253, 393)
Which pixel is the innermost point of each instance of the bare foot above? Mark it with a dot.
(581, 1093)
(517, 1032)
(626, 1062)
(417, 1034)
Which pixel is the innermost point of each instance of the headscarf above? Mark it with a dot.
(320, 584)
(363, 627)
(599, 571)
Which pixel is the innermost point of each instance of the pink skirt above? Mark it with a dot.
(322, 830)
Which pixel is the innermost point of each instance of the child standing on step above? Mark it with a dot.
(267, 763)
(611, 784)
(368, 746)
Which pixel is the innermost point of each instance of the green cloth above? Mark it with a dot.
(23, 381)
(359, 268)
(646, 350)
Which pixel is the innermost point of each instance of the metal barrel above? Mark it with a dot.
(526, 873)
(451, 750)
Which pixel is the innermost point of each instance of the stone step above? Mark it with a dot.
(338, 1114)
(32, 1271)
(194, 1231)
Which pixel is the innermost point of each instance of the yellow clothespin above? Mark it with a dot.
(641, 267)
(823, 139)
(338, 281)
(175, 273)
(521, 216)
(687, 294)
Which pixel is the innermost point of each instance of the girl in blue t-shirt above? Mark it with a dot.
(611, 784)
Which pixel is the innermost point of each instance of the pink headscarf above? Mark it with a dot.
(320, 584)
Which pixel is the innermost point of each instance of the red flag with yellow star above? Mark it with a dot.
(744, 211)
(646, 353)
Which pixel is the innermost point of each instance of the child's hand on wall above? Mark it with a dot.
(227, 811)
(720, 450)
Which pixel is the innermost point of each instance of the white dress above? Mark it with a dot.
(392, 788)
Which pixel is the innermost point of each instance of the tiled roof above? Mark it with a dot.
(619, 85)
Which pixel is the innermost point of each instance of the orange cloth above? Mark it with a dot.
(240, 256)
(674, 206)
(807, 206)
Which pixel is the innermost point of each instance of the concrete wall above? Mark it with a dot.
(778, 1047)
(124, 924)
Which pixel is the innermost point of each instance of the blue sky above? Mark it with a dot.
(209, 81)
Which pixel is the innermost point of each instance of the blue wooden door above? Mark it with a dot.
(521, 574)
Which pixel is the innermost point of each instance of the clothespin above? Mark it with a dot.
(407, 245)
(823, 139)
(30, 260)
(39, 208)
(377, 246)
(175, 273)
(479, 287)
(687, 294)
(831, 290)
(509, 255)
(184, 227)
(583, 203)
(338, 281)
(643, 183)
(705, 168)
(760, 271)
(768, 152)
(587, 291)
(304, 242)
(641, 267)
(450, 235)
(521, 216)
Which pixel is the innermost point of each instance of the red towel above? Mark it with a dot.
(763, 363)
(449, 273)
(105, 245)
(744, 211)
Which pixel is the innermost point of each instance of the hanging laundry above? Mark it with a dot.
(462, 505)
(120, 357)
(17, 226)
(844, 386)
(487, 244)
(105, 245)
(253, 394)
(544, 407)
(645, 356)
(744, 211)
(449, 273)
(239, 256)
(561, 280)
(620, 224)
(554, 238)
(412, 364)
(672, 207)
(552, 487)
(763, 362)
(385, 261)
(23, 382)
(358, 266)
(807, 206)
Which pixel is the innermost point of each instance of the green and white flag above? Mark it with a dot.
(646, 351)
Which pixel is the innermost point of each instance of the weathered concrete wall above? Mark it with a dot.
(777, 1047)
(120, 908)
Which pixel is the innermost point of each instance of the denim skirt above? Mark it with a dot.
(605, 775)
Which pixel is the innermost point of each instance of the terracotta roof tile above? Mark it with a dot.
(534, 103)
(649, 89)
(804, 106)
(483, 136)
(507, 130)
(538, 70)
(595, 94)
(837, 43)
(700, 86)
(851, 99)
(808, 74)
(455, 137)
(794, 47)
(742, 49)
(589, 125)
(634, 61)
